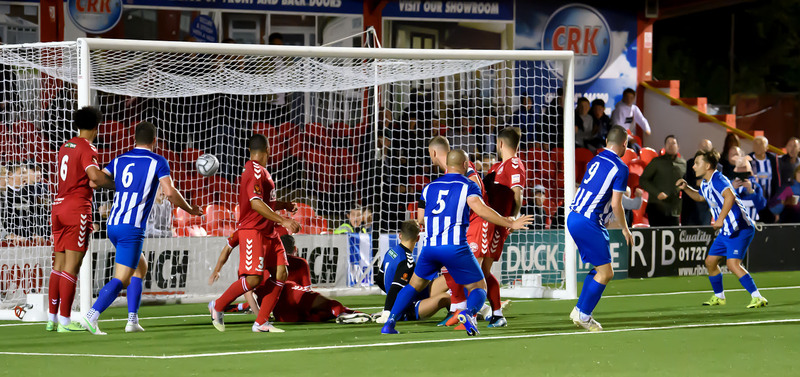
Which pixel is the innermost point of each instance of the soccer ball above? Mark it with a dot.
(207, 165)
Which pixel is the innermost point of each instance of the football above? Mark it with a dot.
(207, 165)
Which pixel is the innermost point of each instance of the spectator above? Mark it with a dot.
(601, 124)
(747, 188)
(692, 212)
(17, 207)
(658, 179)
(790, 161)
(101, 209)
(540, 217)
(39, 196)
(765, 167)
(733, 154)
(159, 224)
(584, 124)
(731, 140)
(366, 224)
(785, 204)
(525, 119)
(627, 114)
(352, 224)
(549, 133)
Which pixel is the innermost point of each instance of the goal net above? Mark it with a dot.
(348, 129)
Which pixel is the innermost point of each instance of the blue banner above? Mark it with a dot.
(296, 6)
(602, 36)
(501, 10)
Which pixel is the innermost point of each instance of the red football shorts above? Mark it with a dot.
(486, 239)
(71, 230)
(257, 252)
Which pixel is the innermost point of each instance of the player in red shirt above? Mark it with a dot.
(438, 148)
(262, 249)
(504, 185)
(72, 216)
(297, 303)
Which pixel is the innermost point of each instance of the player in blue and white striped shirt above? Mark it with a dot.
(737, 228)
(136, 176)
(448, 202)
(599, 195)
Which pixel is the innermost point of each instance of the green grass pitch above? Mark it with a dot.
(654, 327)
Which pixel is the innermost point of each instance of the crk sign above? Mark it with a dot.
(584, 30)
(95, 16)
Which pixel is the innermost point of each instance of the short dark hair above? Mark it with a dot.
(288, 243)
(510, 135)
(712, 157)
(257, 143)
(669, 136)
(273, 37)
(583, 99)
(617, 135)
(145, 133)
(628, 90)
(87, 118)
(598, 102)
(409, 230)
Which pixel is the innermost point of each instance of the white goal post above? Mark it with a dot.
(349, 127)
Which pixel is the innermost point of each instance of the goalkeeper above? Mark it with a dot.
(395, 273)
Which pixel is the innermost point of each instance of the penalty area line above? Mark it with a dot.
(391, 344)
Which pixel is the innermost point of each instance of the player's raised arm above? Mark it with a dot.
(689, 190)
(176, 198)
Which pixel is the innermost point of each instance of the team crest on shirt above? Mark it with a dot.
(257, 190)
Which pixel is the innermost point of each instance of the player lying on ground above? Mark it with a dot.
(599, 195)
(737, 228)
(72, 216)
(449, 200)
(395, 273)
(136, 176)
(263, 251)
(297, 303)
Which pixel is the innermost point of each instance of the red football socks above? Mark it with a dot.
(236, 289)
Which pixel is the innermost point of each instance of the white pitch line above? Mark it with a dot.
(380, 307)
(692, 292)
(390, 344)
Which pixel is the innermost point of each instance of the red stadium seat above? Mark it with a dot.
(629, 156)
(633, 181)
(636, 166)
(418, 182)
(582, 157)
(412, 210)
(181, 218)
(647, 154)
(219, 219)
(640, 217)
